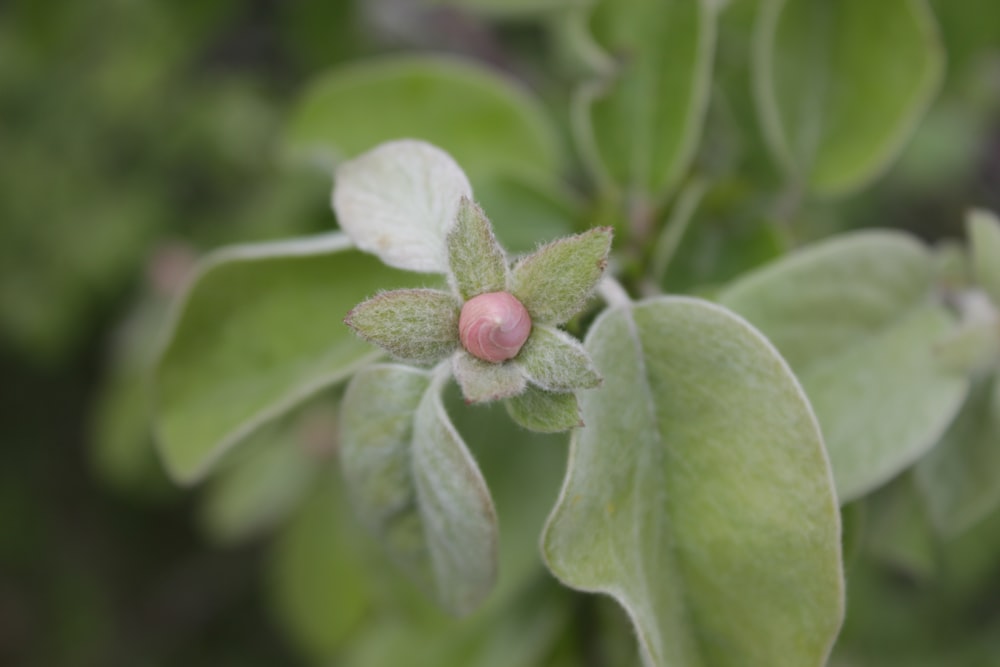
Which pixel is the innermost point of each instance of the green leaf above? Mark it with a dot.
(545, 411)
(483, 381)
(416, 486)
(854, 317)
(419, 325)
(840, 86)
(487, 121)
(555, 281)
(478, 263)
(511, 8)
(259, 330)
(958, 478)
(984, 239)
(555, 361)
(640, 126)
(698, 494)
(898, 533)
(399, 200)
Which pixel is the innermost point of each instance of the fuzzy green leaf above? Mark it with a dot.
(478, 263)
(555, 361)
(698, 494)
(545, 411)
(399, 200)
(984, 240)
(640, 127)
(840, 86)
(416, 486)
(958, 478)
(555, 281)
(418, 325)
(482, 381)
(258, 331)
(854, 318)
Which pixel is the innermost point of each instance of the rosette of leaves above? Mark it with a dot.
(497, 324)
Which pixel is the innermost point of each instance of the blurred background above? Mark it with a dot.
(134, 136)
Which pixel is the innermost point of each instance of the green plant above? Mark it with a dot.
(732, 426)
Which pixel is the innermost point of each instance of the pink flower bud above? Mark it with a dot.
(494, 326)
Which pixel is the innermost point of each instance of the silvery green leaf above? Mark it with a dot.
(478, 263)
(984, 239)
(698, 494)
(973, 348)
(419, 325)
(545, 411)
(855, 318)
(414, 483)
(555, 361)
(958, 478)
(399, 200)
(482, 381)
(555, 281)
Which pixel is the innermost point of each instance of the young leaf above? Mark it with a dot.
(698, 494)
(854, 318)
(840, 86)
(478, 263)
(484, 381)
(555, 281)
(419, 325)
(416, 486)
(958, 478)
(984, 239)
(399, 200)
(641, 127)
(555, 361)
(545, 411)
(258, 331)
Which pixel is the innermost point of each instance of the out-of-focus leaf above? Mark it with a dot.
(984, 239)
(840, 86)
(640, 127)
(698, 494)
(259, 330)
(512, 8)
(898, 533)
(855, 319)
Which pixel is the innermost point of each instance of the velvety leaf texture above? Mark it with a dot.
(478, 263)
(483, 381)
(419, 325)
(258, 331)
(555, 361)
(698, 494)
(555, 281)
(545, 411)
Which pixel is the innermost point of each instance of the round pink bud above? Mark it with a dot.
(494, 326)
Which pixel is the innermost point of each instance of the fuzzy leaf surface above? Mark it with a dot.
(545, 411)
(399, 200)
(641, 125)
(854, 318)
(416, 485)
(478, 263)
(419, 325)
(482, 381)
(984, 240)
(555, 361)
(840, 86)
(698, 494)
(555, 281)
(258, 331)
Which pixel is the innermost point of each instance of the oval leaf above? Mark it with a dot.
(840, 86)
(416, 485)
(399, 200)
(698, 493)
(854, 318)
(259, 330)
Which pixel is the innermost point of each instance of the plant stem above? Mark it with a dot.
(612, 292)
(677, 224)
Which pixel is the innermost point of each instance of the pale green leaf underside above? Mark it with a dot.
(984, 239)
(698, 493)
(419, 325)
(478, 263)
(840, 86)
(642, 126)
(853, 317)
(958, 478)
(484, 381)
(545, 411)
(555, 361)
(259, 330)
(416, 486)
